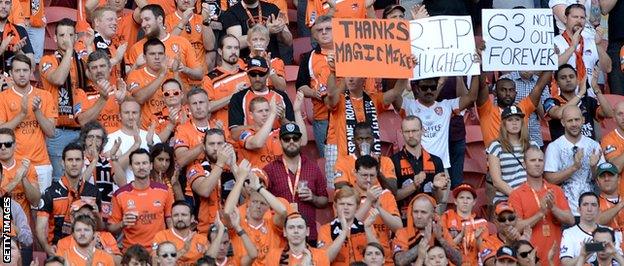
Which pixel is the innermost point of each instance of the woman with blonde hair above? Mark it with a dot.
(506, 154)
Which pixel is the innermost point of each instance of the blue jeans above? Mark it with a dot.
(55, 145)
(457, 150)
(319, 127)
(616, 77)
(302, 28)
(37, 39)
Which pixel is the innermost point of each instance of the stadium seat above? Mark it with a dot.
(481, 207)
(473, 134)
(492, 228)
(301, 46)
(53, 15)
(474, 172)
(390, 125)
(308, 108)
(291, 73)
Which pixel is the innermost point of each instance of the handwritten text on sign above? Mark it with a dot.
(372, 48)
(518, 39)
(444, 46)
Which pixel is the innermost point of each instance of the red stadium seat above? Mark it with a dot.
(473, 134)
(53, 15)
(608, 125)
(481, 208)
(291, 73)
(492, 228)
(301, 46)
(390, 125)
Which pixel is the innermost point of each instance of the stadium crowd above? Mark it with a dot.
(186, 132)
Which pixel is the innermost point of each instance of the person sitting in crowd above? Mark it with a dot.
(507, 223)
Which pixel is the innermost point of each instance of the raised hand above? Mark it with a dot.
(36, 104)
(298, 102)
(419, 11)
(594, 158)
(19, 45)
(105, 88)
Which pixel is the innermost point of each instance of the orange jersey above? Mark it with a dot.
(265, 237)
(345, 169)
(153, 206)
(221, 83)
(162, 118)
(109, 115)
(353, 247)
(29, 137)
(197, 246)
(319, 257)
(127, 29)
(546, 232)
(188, 135)
(18, 194)
(337, 130)
(344, 9)
(193, 32)
(137, 80)
(67, 111)
(103, 241)
(489, 246)
(32, 10)
(612, 146)
(451, 221)
(489, 115)
(73, 257)
(168, 6)
(382, 231)
(617, 223)
(264, 155)
(175, 46)
(208, 207)
(319, 76)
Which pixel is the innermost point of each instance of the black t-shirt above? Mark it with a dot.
(237, 16)
(616, 22)
(303, 76)
(588, 106)
(8, 54)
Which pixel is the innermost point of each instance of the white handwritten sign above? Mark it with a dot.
(444, 46)
(518, 39)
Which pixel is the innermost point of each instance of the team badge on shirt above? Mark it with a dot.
(175, 47)
(157, 203)
(355, 6)
(439, 111)
(198, 28)
(45, 67)
(609, 149)
(131, 204)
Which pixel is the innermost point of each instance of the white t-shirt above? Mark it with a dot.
(588, 31)
(571, 238)
(560, 155)
(590, 54)
(126, 144)
(436, 122)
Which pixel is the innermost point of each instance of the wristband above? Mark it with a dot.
(241, 232)
(259, 188)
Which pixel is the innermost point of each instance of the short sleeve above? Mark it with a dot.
(550, 103)
(193, 173)
(180, 139)
(117, 211)
(168, 204)
(515, 201)
(567, 247)
(551, 158)
(387, 168)
(244, 136)
(46, 203)
(560, 199)
(47, 65)
(236, 115)
(526, 105)
(486, 108)
(494, 149)
(278, 66)
(208, 86)
(190, 60)
(388, 203)
(399, 242)
(80, 102)
(324, 237)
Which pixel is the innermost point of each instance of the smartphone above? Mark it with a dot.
(594, 247)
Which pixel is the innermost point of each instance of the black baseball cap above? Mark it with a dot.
(390, 8)
(510, 111)
(290, 128)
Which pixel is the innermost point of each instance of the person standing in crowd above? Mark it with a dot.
(612, 254)
(506, 153)
(104, 38)
(258, 38)
(175, 111)
(18, 40)
(219, 236)
(189, 244)
(53, 216)
(540, 205)
(596, 107)
(612, 143)
(297, 178)
(608, 181)
(166, 254)
(416, 169)
(571, 159)
(615, 10)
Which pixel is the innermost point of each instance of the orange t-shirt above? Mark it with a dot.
(175, 46)
(489, 246)
(344, 9)
(526, 204)
(221, 83)
(162, 118)
(168, 6)
(153, 205)
(208, 207)
(104, 241)
(197, 247)
(344, 169)
(319, 257)
(19, 194)
(127, 29)
(265, 237)
(138, 79)
(67, 113)
(32, 10)
(353, 247)
(382, 231)
(403, 241)
(612, 146)
(188, 135)
(451, 220)
(29, 137)
(337, 130)
(193, 33)
(319, 75)
(109, 116)
(258, 158)
(490, 117)
(74, 258)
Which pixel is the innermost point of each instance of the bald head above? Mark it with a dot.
(570, 111)
(619, 115)
(422, 212)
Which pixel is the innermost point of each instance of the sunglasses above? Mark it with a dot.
(167, 255)
(525, 254)
(256, 74)
(290, 138)
(509, 218)
(175, 93)
(7, 145)
(428, 88)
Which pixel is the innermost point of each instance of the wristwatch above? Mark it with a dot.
(241, 232)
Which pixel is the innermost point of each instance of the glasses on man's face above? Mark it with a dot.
(504, 219)
(7, 145)
(175, 93)
(167, 255)
(428, 87)
(290, 138)
(525, 254)
(256, 74)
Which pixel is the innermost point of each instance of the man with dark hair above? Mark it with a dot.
(53, 217)
(32, 122)
(190, 245)
(176, 47)
(611, 253)
(83, 232)
(62, 73)
(136, 255)
(141, 208)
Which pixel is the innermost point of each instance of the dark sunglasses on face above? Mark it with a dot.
(291, 138)
(428, 88)
(503, 219)
(256, 74)
(7, 145)
(167, 255)
(525, 254)
(175, 93)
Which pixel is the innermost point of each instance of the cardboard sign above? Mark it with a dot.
(376, 48)
(518, 39)
(444, 46)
